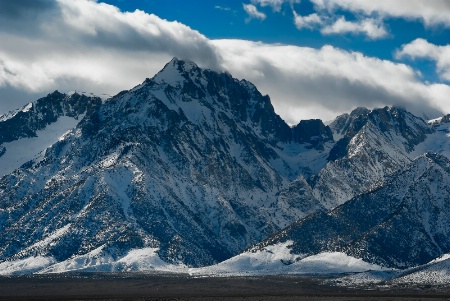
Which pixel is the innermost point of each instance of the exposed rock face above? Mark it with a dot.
(374, 145)
(401, 223)
(313, 132)
(187, 162)
(196, 166)
(342, 123)
(36, 116)
(27, 132)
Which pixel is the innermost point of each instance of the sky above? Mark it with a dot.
(314, 58)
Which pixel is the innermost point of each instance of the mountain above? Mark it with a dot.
(190, 162)
(348, 123)
(435, 272)
(30, 130)
(193, 168)
(402, 222)
(277, 259)
(374, 144)
(438, 141)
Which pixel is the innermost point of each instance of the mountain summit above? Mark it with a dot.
(189, 162)
(193, 166)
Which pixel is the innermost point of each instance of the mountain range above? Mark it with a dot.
(193, 169)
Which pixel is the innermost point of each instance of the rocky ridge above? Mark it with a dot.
(196, 166)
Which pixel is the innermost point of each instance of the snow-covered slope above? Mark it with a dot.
(439, 140)
(98, 260)
(190, 163)
(272, 260)
(21, 151)
(375, 144)
(29, 131)
(278, 259)
(403, 222)
(437, 272)
(192, 167)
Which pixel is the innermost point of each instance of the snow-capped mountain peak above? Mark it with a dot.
(177, 71)
(193, 166)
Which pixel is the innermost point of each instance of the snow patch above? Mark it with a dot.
(23, 150)
(27, 107)
(98, 260)
(437, 142)
(25, 266)
(335, 262)
(435, 121)
(278, 259)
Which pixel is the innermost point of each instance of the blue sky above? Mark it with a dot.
(315, 58)
(224, 19)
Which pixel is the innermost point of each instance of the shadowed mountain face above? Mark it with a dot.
(27, 132)
(374, 144)
(190, 162)
(402, 222)
(36, 116)
(313, 132)
(197, 165)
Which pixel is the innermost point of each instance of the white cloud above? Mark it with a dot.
(253, 12)
(89, 46)
(421, 48)
(309, 21)
(430, 12)
(85, 45)
(222, 8)
(329, 24)
(374, 29)
(309, 83)
(274, 4)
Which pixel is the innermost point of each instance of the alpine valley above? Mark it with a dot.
(193, 171)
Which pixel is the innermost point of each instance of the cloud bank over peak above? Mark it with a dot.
(89, 46)
(306, 82)
(85, 45)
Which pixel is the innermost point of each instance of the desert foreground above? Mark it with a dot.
(132, 286)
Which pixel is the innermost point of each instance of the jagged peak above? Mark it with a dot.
(175, 70)
(55, 93)
(397, 117)
(360, 111)
(445, 119)
(312, 131)
(83, 93)
(393, 111)
(182, 65)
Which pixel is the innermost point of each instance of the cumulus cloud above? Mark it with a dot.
(421, 48)
(24, 8)
(430, 12)
(253, 12)
(89, 46)
(306, 82)
(222, 8)
(274, 4)
(309, 21)
(372, 28)
(329, 23)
